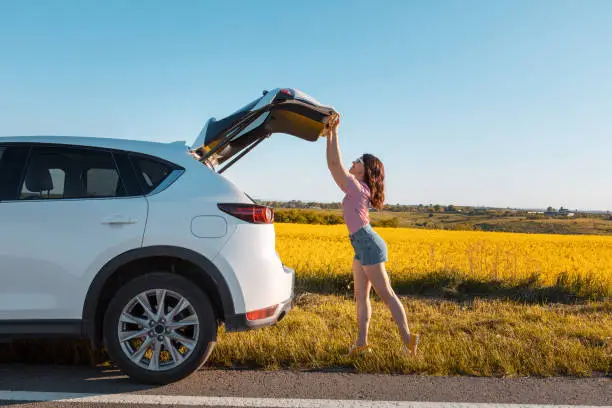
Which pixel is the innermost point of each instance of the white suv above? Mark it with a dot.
(143, 247)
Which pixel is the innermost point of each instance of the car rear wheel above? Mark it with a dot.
(159, 328)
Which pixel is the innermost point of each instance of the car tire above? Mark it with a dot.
(126, 317)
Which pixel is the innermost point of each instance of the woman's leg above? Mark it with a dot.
(362, 287)
(377, 275)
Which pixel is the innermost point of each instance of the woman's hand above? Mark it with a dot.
(335, 122)
(331, 128)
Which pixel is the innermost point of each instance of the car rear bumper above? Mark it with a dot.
(239, 322)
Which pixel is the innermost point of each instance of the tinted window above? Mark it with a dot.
(63, 172)
(102, 182)
(12, 160)
(57, 180)
(127, 173)
(150, 172)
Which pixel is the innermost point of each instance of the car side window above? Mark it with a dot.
(151, 173)
(57, 172)
(12, 161)
(32, 188)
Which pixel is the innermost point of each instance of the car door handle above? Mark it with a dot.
(119, 219)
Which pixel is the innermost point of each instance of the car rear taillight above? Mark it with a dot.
(256, 214)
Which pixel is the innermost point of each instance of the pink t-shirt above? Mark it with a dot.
(356, 204)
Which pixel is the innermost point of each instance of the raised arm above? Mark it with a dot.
(334, 159)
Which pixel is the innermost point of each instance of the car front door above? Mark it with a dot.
(63, 214)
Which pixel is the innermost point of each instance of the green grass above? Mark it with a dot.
(481, 338)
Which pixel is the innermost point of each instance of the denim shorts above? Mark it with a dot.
(370, 248)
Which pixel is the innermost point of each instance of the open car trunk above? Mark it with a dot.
(279, 111)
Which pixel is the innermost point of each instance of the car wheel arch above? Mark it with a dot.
(97, 298)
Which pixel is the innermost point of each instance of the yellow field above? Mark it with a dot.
(581, 264)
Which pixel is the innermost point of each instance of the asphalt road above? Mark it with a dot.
(267, 389)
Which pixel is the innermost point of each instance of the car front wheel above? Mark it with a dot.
(159, 328)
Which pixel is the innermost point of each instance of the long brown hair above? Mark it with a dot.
(374, 177)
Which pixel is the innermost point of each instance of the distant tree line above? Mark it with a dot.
(299, 216)
(306, 217)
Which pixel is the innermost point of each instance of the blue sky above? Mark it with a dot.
(497, 103)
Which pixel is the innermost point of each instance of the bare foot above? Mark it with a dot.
(413, 343)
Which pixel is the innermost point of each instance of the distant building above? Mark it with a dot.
(563, 212)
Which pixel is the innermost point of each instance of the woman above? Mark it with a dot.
(363, 186)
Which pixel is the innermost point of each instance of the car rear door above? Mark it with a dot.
(286, 110)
